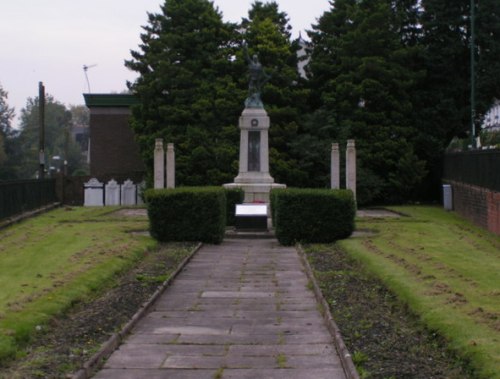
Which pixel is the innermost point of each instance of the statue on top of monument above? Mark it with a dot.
(258, 78)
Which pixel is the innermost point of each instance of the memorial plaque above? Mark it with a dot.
(251, 217)
(254, 151)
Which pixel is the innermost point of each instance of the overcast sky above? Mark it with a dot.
(51, 40)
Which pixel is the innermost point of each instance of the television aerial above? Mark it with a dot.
(85, 69)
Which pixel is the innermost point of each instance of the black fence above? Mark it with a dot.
(21, 196)
(480, 168)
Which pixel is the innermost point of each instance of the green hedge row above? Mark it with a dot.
(312, 215)
(187, 214)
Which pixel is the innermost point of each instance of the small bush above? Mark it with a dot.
(312, 215)
(187, 214)
(233, 196)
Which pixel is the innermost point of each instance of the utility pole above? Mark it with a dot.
(472, 73)
(41, 114)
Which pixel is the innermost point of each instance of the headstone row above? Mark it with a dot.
(97, 194)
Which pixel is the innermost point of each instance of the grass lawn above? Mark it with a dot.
(52, 261)
(446, 270)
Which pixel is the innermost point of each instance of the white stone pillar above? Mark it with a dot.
(170, 166)
(159, 164)
(350, 169)
(335, 166)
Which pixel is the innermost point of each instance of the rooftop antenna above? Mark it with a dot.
(85, 69)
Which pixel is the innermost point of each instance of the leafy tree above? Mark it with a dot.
(57, 124)
(187, 91)
(7, 135)
(359, 70)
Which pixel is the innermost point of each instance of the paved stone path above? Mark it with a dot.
(239, 310)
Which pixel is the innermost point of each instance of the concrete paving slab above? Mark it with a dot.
(283, 373)
(155, 374)
(238, 310)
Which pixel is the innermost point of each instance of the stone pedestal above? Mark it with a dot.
(335, 167)
(159, 164)
(350, 169)
(253, 175)
(170, 166)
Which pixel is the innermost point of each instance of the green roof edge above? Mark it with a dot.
(109, 100)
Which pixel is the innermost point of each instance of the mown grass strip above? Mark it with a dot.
(447, 271)
(52, 261)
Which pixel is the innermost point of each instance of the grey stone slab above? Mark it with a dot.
(189, 362)
(153, 356)
(313, 361)
(310, 373)
(192, 314)
(143, 358)
(287, 350)
(154, 374)
(237, 294)
(146, 338)
(229, 339)
(155, 329)
(276, 328)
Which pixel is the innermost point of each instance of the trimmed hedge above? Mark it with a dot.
(233, 196)
(187, 214)
(312, 215)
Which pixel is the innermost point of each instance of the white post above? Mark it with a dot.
(350, 172)
(159, 164)
(170, 166)
(335, 166)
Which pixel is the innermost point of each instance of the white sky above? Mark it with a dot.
(51, 40)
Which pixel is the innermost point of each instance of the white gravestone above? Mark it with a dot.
(94, 192)
(128, 191)
(112, 193)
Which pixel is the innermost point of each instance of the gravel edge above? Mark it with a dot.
(97, 360)
(345, 356)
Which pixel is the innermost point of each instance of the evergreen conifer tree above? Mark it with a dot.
(359, 70)
(187, 92)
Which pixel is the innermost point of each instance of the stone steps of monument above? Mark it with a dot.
(249, 233)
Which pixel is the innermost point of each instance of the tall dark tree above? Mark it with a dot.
(359, 71)
(187, 91)
(442, 100)
(488, 53)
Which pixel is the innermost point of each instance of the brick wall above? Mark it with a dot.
(113, 150)
(478, 204)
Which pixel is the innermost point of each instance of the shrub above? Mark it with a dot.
(312, 215)
(233, 196)
(187, 214)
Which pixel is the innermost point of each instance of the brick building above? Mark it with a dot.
(473, 176)
(113, 150)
